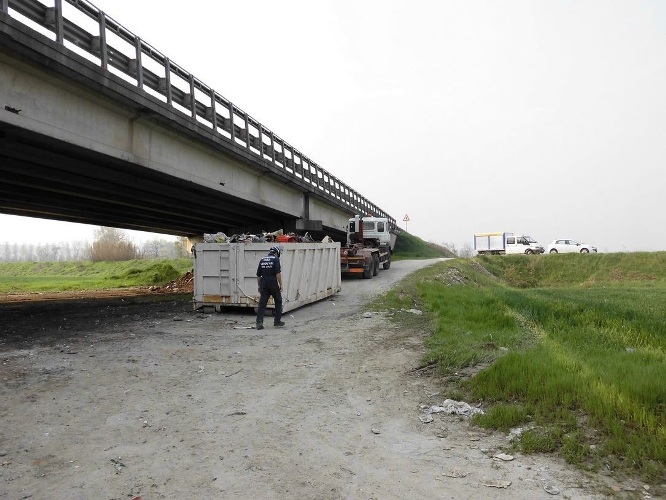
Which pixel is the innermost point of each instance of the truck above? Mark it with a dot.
(501, 243)
(370, 243)
(225, 274)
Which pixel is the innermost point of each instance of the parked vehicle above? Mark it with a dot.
(370, 242)
(570, 246)
(225, 274)
(501, 243)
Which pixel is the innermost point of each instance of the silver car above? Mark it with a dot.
(570, 246)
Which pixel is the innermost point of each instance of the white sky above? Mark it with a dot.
(547, 117)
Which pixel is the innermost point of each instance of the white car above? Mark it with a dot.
(570, 246)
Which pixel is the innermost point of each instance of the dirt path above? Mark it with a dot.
(152, 400)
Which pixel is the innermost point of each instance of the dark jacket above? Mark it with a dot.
(269, 268)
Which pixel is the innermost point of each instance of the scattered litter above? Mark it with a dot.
(550, 489)
(515, 433)
(415, 311)
(243, 328)
(118, 465)
(503, 457)
(426, 419)
(367, 315)
(496, 483)
(451, 407)
(375, 431)
(455, 473)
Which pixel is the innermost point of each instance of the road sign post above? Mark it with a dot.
(406, 219)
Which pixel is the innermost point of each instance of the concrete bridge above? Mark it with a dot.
(98, 127)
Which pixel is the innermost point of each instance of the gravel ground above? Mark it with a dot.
(136, 398)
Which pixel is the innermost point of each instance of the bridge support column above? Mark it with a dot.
(306, 206)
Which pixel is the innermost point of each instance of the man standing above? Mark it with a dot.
(269, 280)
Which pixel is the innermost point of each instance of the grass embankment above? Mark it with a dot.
(408, 246)
(19, 277)
(570, 348)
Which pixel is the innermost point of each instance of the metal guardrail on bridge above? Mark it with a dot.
(203, 104)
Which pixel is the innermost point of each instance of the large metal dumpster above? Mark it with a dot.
(225, 274)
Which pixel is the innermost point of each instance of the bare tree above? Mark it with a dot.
(79, 250)
(111, 244)
(451, 247)
(152, 249)
(182, 247)
(466, 251)
(47, 252)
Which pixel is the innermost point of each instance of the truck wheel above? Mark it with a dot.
(528, 252)
(367, 272)
(375, 265)
(553, 250)
(387, 262)
(584, 250)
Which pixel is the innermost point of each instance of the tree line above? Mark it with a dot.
(109, 244)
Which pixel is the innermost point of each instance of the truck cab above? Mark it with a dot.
(522, 244)
(373, 230)
(370, 243)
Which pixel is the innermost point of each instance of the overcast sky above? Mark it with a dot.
(546, 118)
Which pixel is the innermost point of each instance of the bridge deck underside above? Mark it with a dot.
(53, 180)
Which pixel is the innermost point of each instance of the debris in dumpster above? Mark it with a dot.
(265, 237)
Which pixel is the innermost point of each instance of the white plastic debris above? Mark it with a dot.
(455, 473)
(497, 483)
(452, 407)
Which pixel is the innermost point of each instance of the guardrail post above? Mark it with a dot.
(4, 6)
(272, 148)
(213, 111)
(137, 62)
(54, 20)
(261, 140)
(193, 101)
(232, 128)
(103, 52)
(167, 81)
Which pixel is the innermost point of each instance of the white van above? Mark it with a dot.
(505, 243)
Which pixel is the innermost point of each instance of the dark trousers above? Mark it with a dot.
(268, 289)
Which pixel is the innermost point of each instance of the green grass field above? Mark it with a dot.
(23, 277)
(570, 348)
